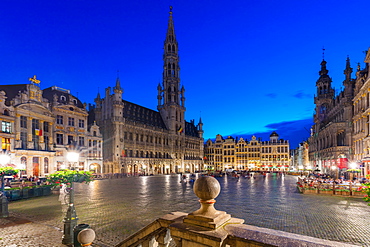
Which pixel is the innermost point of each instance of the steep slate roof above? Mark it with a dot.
(49, 93)
(191, 129)
(143, 115)
(150, 117)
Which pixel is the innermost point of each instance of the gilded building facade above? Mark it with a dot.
(361, 118)
(40, 127)
(138, 140)
(231, 154)
(330, 143)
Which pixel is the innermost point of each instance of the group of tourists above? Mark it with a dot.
(317, 179)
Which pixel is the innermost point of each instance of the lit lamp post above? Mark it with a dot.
(4, 159)
(353, 166)
(70, 220)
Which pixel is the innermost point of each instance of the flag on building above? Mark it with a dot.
(38, 132)
(180, 130)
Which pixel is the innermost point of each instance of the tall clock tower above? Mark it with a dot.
(171, 99)
(325, 94)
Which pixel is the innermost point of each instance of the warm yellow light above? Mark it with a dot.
(4, 159)
(73, 156)
(353, 165)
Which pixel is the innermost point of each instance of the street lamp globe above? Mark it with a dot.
(4, 159)
(353, 165)
(73, 156)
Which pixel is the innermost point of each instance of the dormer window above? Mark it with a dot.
(74, 101)
(63, 98)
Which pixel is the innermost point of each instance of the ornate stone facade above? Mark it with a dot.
(39, 127)
(361, 117)
(330, 143)
(138, 140)
(230, 154)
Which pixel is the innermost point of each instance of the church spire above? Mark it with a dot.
(171, 98)
(323, 70)
(348, 71)
(171, 68)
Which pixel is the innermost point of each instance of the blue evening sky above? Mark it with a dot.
(248, 67)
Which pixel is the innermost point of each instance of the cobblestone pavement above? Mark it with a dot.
(17, 231)
(116, 208)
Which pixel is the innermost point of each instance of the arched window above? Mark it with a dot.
(169, 48)
(63, 98)
(46, 165)
(173, 48)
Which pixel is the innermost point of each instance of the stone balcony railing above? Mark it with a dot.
(208, 227)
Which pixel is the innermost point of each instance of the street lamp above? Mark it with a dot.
(70, 220)
(4, 159)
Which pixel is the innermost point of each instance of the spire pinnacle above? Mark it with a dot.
(348, 71)
(323, 53)
(323, 70)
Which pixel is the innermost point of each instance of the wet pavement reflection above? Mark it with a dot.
(116, 208)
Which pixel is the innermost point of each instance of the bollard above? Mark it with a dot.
(76, 230)
(86, 237)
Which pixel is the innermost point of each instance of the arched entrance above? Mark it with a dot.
(36, 166)
(95, 168)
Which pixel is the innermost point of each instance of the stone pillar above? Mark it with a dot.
(29, 132)
(205, 226)
(42, 122)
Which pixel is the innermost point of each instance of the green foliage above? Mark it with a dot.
(353, 170)
(7, 171)
(326, 189)
(69, 176)
(345, 190)
(366, 189)
(310, 188)
(13, 188)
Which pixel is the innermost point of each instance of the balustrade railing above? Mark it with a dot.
(209, 227)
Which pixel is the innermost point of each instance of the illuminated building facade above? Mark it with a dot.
(330, 143)
(361, 118)
(231, 154)
(138, 140)
(40, 126)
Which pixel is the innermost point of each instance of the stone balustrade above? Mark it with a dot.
(207, 227)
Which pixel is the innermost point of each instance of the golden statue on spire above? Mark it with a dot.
(34, 80)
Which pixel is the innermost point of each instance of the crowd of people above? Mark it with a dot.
(314, 180)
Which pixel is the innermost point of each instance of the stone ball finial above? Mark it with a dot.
(206, 188)
(86, 237)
